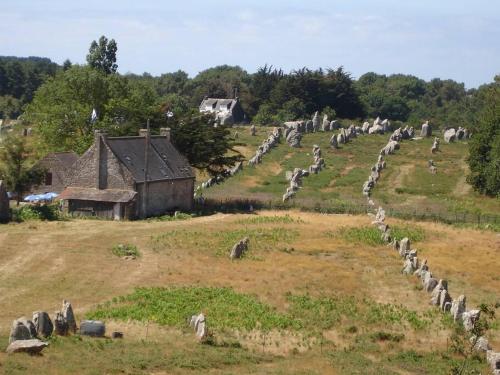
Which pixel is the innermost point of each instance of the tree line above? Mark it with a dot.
(67, 103)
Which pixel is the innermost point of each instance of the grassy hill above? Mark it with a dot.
(406, 186)
(315, 294)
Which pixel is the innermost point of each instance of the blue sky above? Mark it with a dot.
(441, 38)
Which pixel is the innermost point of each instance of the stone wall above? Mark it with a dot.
(51, 164)
(112, 174)
(164, 196)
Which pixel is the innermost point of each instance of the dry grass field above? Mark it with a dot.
(313, 297)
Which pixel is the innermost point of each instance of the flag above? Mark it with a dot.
(93, 116)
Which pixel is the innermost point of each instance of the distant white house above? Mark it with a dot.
(228, 111)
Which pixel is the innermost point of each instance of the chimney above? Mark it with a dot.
(99, 141)
(165, 132)
(146, 133)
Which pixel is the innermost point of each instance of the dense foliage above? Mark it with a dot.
(19, 78)
(16, 167)
(484, 159)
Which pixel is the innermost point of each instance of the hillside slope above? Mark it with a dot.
(405, 186)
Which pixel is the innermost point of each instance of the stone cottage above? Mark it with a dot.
(129, 177)
(227, 111)
(4, 203)
(57, 166)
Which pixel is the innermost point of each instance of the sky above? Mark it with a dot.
(448, 39)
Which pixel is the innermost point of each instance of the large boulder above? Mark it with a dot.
(31, 346)
(94, 328)
(449, 135)
(43, 324)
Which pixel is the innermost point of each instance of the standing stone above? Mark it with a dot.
(333, 141)
(43, 324)
(22, 329)
(93, 328)
(458, 308)
(426, 130)
(334, 125)
(60, 324)
(365, 127)
(404, 246)
(445, 301)
(436, 293)
(198, 323)
(309, 126)
(253, 130)
(325, 126)
(493, 360)
(469, 319)
(69, 316)
(315, 122)
(294, 138)
(430, 283)
(449, 135)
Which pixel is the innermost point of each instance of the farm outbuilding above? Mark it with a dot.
(129, 177)
(57, 166)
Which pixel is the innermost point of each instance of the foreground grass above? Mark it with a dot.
(227, 309)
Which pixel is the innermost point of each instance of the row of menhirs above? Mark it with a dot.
(122, 177)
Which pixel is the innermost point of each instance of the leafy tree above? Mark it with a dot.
(16, 168)
(207, 147)
(10, 107)
(484, 147)
(63, 105)
(67, 64)
(102, 55)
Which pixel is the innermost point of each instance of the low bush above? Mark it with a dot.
(43, 212)
(123, 250)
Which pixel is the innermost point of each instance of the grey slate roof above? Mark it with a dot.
(165, 162)
(218, 104)
(66, 158)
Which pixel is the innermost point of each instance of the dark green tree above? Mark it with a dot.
(16, 166)
(484, 147)
(102, 55)
(207, 147)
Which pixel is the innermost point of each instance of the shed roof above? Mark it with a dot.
(218, 103)
(98, 195)
(165, 162)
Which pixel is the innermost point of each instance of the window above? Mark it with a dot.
(48, 178)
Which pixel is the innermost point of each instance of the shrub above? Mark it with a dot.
(43, 212)
(123, 250)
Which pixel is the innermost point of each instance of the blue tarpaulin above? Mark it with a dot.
(40, 197)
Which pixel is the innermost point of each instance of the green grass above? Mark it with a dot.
(406, 187)
(123, 250)
(227, 309)
(261, 239)
(371, 236)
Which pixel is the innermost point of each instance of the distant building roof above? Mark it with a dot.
(165, 162)
(98, 195)
(218, 104)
